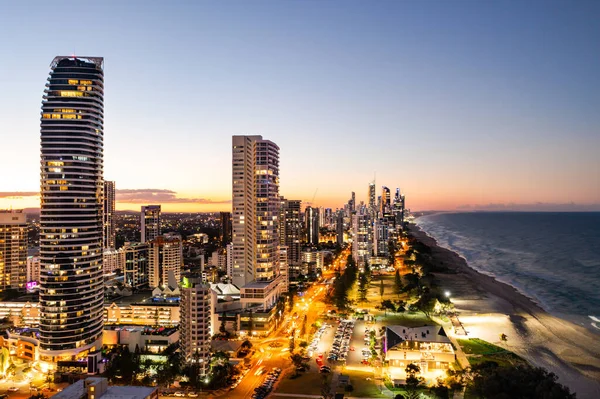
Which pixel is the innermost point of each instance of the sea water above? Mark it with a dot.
(553, 258)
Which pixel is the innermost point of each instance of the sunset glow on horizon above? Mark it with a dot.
(462, 106)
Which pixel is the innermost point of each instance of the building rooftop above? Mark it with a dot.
(78, 391)
(398, 334)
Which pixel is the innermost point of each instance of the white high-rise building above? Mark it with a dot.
(13, 250)
(195, 322)
(149, 222)
(165, 257)
(71, 284)
(362, 242)
(255, 219)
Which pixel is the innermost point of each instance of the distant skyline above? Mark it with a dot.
(462, 104)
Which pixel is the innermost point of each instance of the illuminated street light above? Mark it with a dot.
(447, 293)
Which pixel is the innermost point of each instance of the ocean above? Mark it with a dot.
(553, 258)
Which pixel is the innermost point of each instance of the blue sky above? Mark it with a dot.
(458, 103)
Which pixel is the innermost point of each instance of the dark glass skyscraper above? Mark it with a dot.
(72, 290)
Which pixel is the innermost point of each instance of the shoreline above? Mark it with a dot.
(488, 307)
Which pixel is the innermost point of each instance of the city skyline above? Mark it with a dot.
(462, 106)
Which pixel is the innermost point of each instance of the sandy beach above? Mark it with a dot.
(488, 308)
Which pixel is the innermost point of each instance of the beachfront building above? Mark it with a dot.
(428, 347)
(256, 204)
(109, 225)
(71, 226)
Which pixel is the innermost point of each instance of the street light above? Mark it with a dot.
(447, 293)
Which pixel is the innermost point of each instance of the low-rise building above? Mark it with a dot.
(428, 347)
(147, 339)
(98, 388)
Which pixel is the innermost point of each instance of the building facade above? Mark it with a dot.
(195, 325)
(290, 229)
(225, 228)
(149, 222)
(109, 214)
(255, 218)
(13, 250)
(311, 217)
(135, 267)
(71, 224)
(165, 258)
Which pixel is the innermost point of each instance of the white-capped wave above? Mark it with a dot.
(594, 318)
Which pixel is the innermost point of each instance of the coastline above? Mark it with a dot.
(488, 307)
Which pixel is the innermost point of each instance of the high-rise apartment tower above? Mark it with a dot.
(71, 284)
(149, 222)
(255, 218)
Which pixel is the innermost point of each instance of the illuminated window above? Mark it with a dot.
(70, 93)
(73, 81)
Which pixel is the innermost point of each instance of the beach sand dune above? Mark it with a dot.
(488, 308)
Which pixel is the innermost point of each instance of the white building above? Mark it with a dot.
(165, 256)
(33, 268)
(255, 219)
(195, 325)
(362, 245)
(112, 260)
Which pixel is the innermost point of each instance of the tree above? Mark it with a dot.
(381, 289)
(299, 362)
(363, 287)
(292, 344)
(426, 303)
(440, 390)
(413, 381)
(222, 328)
(522, 381)
(398, 283)
(246, 345)
(303, 327)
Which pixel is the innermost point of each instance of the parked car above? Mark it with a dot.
(179, 394)
(13, 389)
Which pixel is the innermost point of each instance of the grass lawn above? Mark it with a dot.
(362, 387)
(405, 319)
(308, 383)
(479, 351)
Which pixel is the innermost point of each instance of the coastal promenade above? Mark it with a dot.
(488, 308)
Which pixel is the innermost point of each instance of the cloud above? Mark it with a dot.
(18, 194)
(533, 207)
(159, 196)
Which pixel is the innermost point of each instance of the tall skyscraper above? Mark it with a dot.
(255, 218)
(195, 324)
(149, 222)
(13, 250)
(290, 229)
(372, 197)
(225, 228)
(311, 217)
(385, 200)
(362, 242)
(109, 214)
(339, 227)
(71, 284)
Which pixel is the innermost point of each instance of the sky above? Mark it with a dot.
(461, 104)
